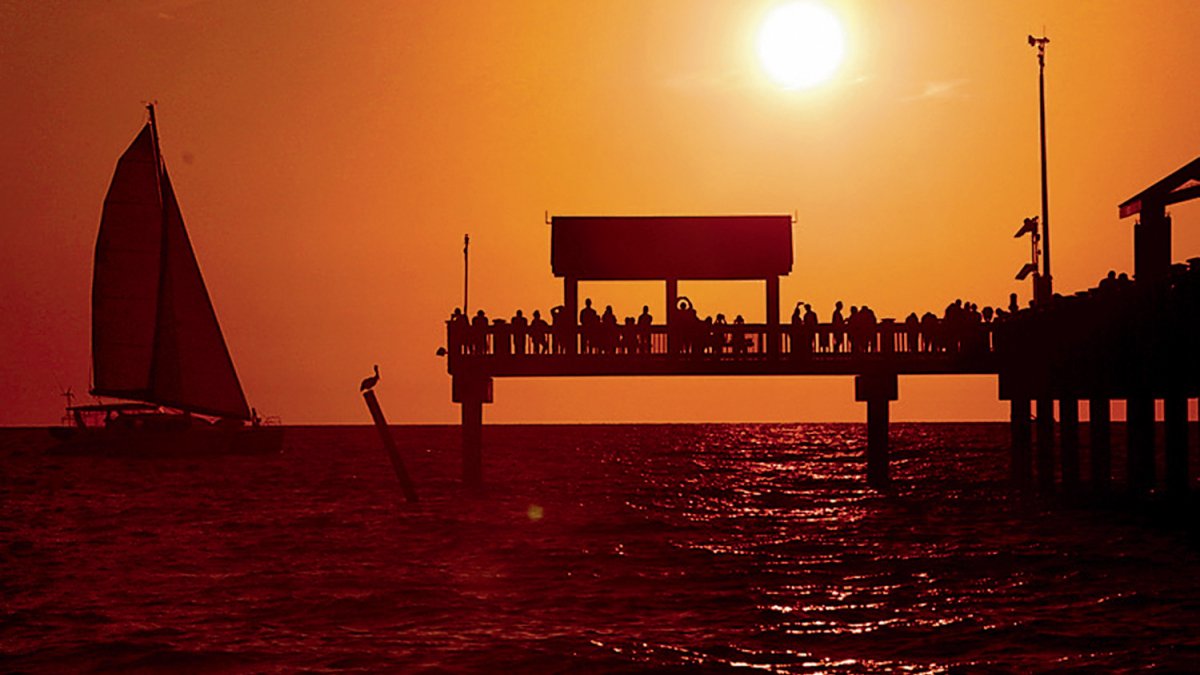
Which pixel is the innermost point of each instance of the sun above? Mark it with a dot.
(801, 44)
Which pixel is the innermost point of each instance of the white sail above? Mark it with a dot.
(155, 336)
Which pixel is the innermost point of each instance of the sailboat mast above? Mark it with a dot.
(162, 247)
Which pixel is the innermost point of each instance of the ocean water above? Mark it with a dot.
(593, 549)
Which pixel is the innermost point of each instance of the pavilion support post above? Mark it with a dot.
(877, 390)
(773, 337)
(1045, 444)
(1139, 421)
(1020, 468)
(571, 309)
(1100, 428)
(1068, 431)
(672, 303)
(1175, 421)
(472, 391)
(1152, 243)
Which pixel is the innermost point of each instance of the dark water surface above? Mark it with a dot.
(595, 548)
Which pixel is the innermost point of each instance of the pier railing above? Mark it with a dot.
(629, 349)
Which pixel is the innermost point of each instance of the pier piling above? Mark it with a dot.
(1020, 471)
(1068, 431)
(1175, 421)
(877, 390)
(1045, 444)
(1100, 437)
(472, 392)
(1139, 421)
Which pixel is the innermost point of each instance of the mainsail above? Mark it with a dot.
(155, 336)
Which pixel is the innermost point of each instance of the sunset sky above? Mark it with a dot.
(329, 157)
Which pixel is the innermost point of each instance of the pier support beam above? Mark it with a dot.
(1100, 436)
(1045, 444)
(773, 336)
(672, 302)
(1175, 421)
(877, 390)
(1068, 432)
(571, 309)
(472, 392)
(1020, 468)
(1139, 420)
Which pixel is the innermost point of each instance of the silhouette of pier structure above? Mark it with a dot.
(1126, 339)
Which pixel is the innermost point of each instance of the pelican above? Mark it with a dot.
(370, 382)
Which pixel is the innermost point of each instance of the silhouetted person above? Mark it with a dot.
(811, 327)
(1013, 305)
(837, 326)
(869, 328)
(738, 335)
(520, 326)
(501, 337)
(912, 332)
(687, 325)
(479, 331)
(370, 382)
(560, 328)
(799, 346)
(929, 332)
(720, 335)
(538, 330)
(589, 324)
(608, 331)
(459, 328)
(629, 337)
(854, 330)
(644, 323)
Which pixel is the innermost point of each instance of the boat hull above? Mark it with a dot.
(190, 442)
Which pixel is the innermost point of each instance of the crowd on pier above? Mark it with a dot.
(961, 328)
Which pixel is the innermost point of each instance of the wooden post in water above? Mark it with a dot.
(1100, 426)
(1020, 470)
(877, 390)
(1068, 418)
(389, 444)
(1175, 421)
(1045, 444)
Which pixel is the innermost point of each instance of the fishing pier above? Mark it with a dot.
(1125, 340)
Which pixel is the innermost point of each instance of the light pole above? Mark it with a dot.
(466, 271)
(1043, 287)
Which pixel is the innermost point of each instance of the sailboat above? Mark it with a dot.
(156, 342)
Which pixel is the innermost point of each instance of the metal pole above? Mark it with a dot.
(1041, 43)
(466, 270)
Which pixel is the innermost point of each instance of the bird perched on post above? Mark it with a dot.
(370, 382)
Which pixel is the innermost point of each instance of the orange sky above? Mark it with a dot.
(329, 157)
